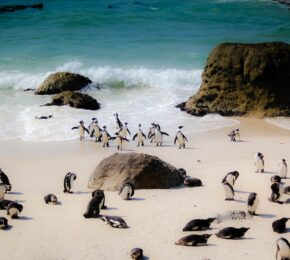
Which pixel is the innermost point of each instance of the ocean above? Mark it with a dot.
(148, 56)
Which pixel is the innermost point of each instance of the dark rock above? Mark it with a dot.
(74, 99)
(62, 81)
(244, 80)
(142, 170)
(13, 8)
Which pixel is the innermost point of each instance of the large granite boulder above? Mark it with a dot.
(62, 81)
(244, 80)
(74, 99)
(142, 170)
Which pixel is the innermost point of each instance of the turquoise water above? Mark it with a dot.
(148, 56)
(154, 34)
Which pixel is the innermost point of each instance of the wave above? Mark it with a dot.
(109, 76)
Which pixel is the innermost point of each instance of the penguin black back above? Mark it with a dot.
(279, 225)
(198, 224)
(232, 233)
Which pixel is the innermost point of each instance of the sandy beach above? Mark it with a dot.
(155, 217)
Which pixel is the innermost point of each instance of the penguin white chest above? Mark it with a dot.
(259, 163)
(81, 131)
(228, 192)
(230, 179)
(284, 249)
(13, 212)
(254, 206)
(123, 132)
(283, 170)
(105, 137)
(180, 138)
(158, 137)
(2, 191)
(139, 136)
(119, 141)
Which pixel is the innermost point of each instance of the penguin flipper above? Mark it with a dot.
(163, 133)
(135, 135)
(92, 133)
(125, 139)
(184, 137)
(143, 135)
(75, 127)
(128, 131)
(112, 138)
(86, 130)
(175, 139)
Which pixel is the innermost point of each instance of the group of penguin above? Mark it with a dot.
(101, 134)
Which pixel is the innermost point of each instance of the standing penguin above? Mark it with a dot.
(151, 133)
(180, 137)
(82, 129)
(229, 191)
(231, 178)
(14, 209)
(97, 131)
(50, 199)
(259, 162)
(277, 192)
(118, 121)
(279, 225)
(5, 180)
(124, 130)
(91, 127)
(159, 135)
(253, 203)
(126, 191)
(68, 182)
(105, 137)
(283, 249)
(119, 140)
(140, 136)
(95, 205)
(101, 194)
(283, 169)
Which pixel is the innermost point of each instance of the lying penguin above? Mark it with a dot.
(198, 224)
(68, 182)
(50, 199)
(14, 209)
(192, 182)
(115, 222)
(137, 254)
(231, 232)
(127, 191)
(193, 240)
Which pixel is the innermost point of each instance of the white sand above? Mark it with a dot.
(155, 217)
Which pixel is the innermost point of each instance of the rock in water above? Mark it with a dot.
(244, 80)
(142, 170)
(62, 81)
(74, 99)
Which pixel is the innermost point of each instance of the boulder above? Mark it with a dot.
(62, 81)
(74, 99)
(244, 80)
(142, 170)
(13, 8)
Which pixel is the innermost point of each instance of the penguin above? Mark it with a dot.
(105, 137)
(95, 205)
(82, 129)
(277, 192)
(50, 199)
(229, 191)
(151, 133)
(283, 169)
(231, 178)
(5, 180)
(159, 135)
(119, 140)
(137, 254)
(44, 117)
(237, 133)
(193, 240)
(192, 182)
(276, 178)
(97, 131)
(3, 190)
(118, 121)
(127, 191)
(231, 232)
(4, 203)
(102, 194)
(198, 224)
(140, 136)
(279, 226)
(259, 162)
(115, 222)
(3, 223)
(253, 203)
(283, 249)
(287, 190)
(68, 182)
(124, 130)
(180, 137)
(91, 127)
(234, 134)
(14, 209)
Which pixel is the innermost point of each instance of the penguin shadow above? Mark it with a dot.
(266, 215)
(127, 150)
(81, 192)
(8, 228)
(287, 230)
(110, 208)
(268, 172)
(15, 193)
(20, 201)
(24, 218)
(243, 141)
(243, 192)
(239, 201)
(287, 201)
(136, 199)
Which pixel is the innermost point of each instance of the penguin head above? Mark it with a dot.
(115, 115)
(211, 220)
(182, 172)
(126, 123)
(283, 160)
(244, 230)
(139, 125)
(93, 119)
(237, 129)
(96, 121)
(180, 127)
(284, 219)
(81, 122)
(104, 127)
(206, 236)
(50, 116)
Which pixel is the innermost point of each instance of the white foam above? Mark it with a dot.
(283, 122)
